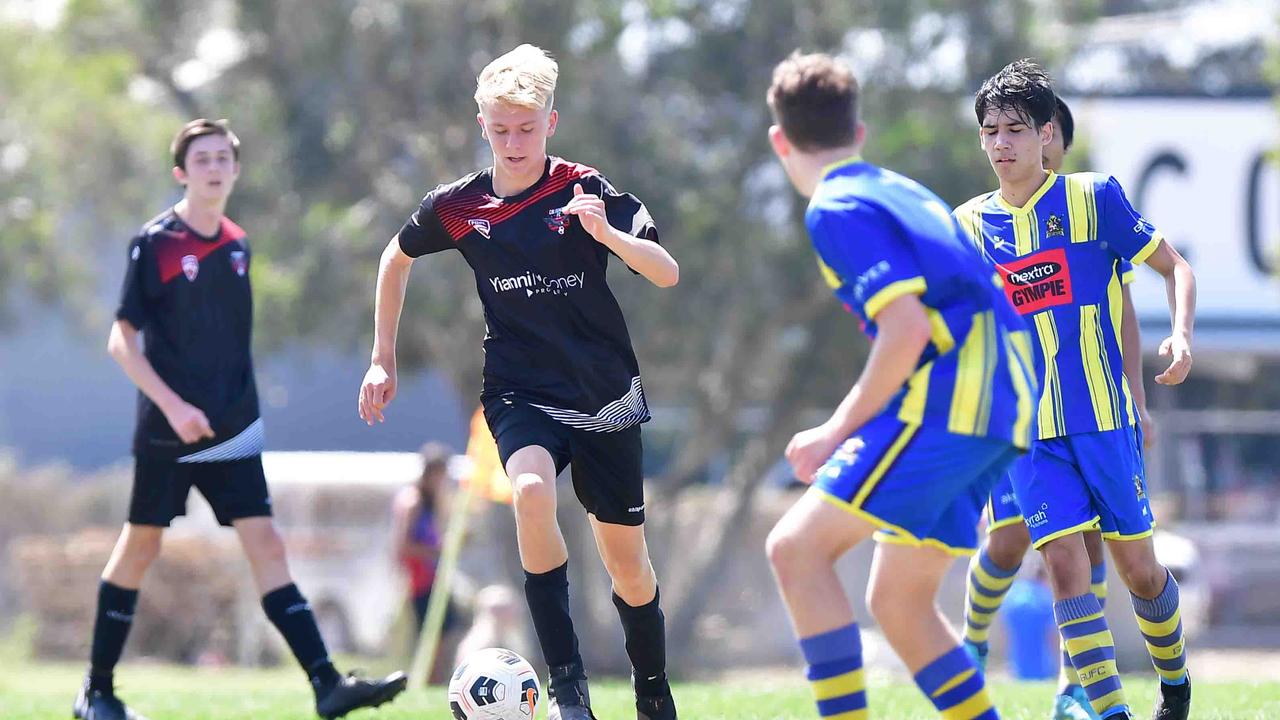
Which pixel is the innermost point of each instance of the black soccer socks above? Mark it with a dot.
(548, 597)
(110, 630)
(646, 634)
(289, 611)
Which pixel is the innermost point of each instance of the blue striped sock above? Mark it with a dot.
(835, 673)
(1160, 621)
(1098, 586)
(956, 688)
(1093, 652)
(988, 584)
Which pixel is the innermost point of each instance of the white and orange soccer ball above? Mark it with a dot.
(494, 684)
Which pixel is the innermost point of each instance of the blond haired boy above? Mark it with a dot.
(561, 383)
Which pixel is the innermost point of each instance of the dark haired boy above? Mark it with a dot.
(1059, 243)
(187, 290)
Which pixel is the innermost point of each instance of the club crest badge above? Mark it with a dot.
(481, 226)
(1053, 227)
(190, 267)
(556, 220)
(239, 262)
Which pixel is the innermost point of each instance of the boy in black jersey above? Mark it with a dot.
(187, 289)
(561, 383)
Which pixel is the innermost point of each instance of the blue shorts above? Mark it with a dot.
(919, 485)
(1002, 506)
(1068, 484)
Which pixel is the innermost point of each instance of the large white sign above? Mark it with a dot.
(1198, 169)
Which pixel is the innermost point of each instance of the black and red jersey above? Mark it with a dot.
(190, 297)
(556, 338)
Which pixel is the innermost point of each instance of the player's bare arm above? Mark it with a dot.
(644, 256)
(903, 334)
(379, 386)
(1180, 285)
(1131, 349)
(187, 420)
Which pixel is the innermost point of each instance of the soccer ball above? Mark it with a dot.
(494, 684)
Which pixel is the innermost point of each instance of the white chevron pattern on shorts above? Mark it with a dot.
(247, 444)
(625, 412)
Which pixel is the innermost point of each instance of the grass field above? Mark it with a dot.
(36, 691)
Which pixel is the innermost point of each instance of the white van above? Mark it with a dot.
(334, 511)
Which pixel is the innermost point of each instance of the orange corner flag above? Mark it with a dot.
(485, 478)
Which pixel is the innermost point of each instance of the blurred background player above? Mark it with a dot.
(943, 405)
(496, 623)
(994, 567)
(1058, 243)
(418, 520)
(561, 382)
(187, 290)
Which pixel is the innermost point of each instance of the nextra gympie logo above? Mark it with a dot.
(1038, 281)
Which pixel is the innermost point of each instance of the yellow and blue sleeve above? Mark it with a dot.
(1124, 229)
(860, 250)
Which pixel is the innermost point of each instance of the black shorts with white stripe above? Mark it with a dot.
(235, 489)
(607, 467)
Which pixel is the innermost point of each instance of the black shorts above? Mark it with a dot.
(607, 467)
(234, 489)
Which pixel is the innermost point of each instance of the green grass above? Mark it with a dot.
(38, 691)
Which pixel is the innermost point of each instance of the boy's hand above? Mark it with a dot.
(377, 391)
(189, 422)
(1149, 429)
(1179, 348)
(810, 449)
(590, 211)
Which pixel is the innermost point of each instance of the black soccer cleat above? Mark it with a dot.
(1173, 702)
(568, 692)
(662, 707)
(354, 692)
(99, 705)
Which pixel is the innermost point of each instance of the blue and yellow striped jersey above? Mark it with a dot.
(879, 236)
(1063, 258)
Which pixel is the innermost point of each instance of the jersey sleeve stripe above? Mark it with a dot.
(1147, 249)
(829, 276)
(893, 291)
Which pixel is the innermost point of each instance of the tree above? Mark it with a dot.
(351, 110)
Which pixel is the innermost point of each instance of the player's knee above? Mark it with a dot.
(630, 575)
(1143, 576)
(1007, 548)
(533, 496)
(891, 604)
(785, 549)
